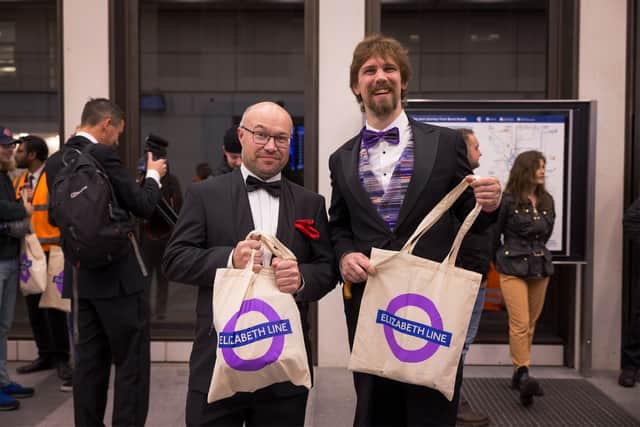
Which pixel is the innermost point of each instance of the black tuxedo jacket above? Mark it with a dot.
(440, 164)
(216, 215)
(123, 276)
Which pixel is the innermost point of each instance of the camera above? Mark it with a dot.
(157, 146)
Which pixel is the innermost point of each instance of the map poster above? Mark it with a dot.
(503, 137)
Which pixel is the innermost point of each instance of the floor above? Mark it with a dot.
(331, 401)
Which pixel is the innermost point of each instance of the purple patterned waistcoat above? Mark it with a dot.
(388, 202)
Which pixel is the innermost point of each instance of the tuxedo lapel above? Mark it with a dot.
(350, 159)
(286, 214)
(425, 141)
(240, 207)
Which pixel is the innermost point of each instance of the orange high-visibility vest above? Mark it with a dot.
(493, 300)
(47, 234)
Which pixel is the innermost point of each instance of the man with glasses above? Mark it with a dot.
(217, 216)
(11, 209)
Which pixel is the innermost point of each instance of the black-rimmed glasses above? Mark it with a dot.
(262, 138)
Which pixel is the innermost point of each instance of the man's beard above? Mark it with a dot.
(382, 108)
(7, 166)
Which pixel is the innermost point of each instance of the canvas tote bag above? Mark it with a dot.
(260, 339)
(415, 312)
(52, 295)
(33, 266)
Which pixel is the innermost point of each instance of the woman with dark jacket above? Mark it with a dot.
(526, 221)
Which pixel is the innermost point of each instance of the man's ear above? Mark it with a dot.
(104, 123)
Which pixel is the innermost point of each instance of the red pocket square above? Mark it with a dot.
(305, 226)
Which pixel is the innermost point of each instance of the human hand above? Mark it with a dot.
(487, 191)
(242, 253)
(159, 165)
(355, 267)
(26, 201)
(288, 277)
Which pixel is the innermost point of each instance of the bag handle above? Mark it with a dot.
(274, 245)
(464, 228)
(434, 216)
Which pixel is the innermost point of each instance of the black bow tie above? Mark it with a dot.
(254, 184)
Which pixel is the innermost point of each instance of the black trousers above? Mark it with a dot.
(50, 330)
(631, 349)
(152, 252)
(384, 402)
(112, 330)
(261, 408)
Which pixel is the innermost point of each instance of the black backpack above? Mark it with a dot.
(94, 230)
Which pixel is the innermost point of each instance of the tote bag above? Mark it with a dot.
(33, 266)
(260, 340)
(415, 312)
(52, 295)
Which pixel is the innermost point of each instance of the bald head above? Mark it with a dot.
(264, 108)
(264, 133)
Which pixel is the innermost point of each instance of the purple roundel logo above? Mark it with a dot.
(275, 328)
(25, 266)
(58, 280)
(434, 334)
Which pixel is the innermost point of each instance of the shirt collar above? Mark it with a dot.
(246, 172)
(88, 136)
(401, 122)
(36, 174)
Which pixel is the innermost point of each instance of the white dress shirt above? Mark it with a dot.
(36, 176)
(383, 157)
(265, 209)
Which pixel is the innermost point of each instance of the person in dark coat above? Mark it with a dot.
(475, 254)
(524, 262)
(208, 237)
(112, 309)
(11, 210)
(631, 350)
(384, 181)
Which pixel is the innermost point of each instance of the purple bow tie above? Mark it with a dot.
(370, 138)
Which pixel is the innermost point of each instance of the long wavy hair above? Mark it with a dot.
(522, 174)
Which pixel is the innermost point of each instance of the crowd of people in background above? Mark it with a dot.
(379, 195)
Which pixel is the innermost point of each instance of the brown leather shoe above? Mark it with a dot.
(468, 417)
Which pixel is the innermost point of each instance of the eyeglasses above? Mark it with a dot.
(262, 138)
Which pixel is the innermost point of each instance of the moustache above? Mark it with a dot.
(380, 86)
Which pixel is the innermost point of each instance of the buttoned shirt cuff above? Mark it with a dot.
(230, 260)
(154, 175)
